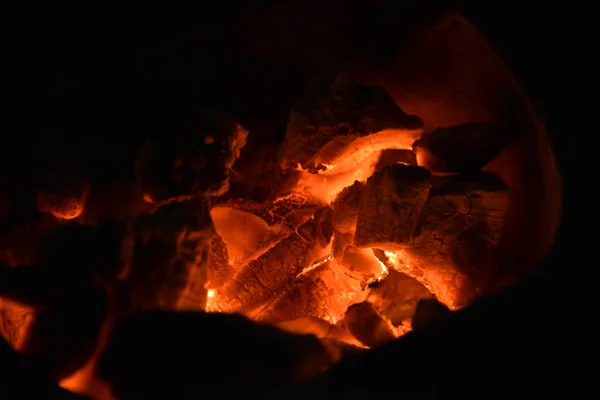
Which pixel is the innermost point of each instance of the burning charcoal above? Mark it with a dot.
(367, 325)
(323, 291)
(148, 356)
(264, 277)
(396, 297)
(334, 114)
(453, 249)
(287, 212)
(196, 160)
(346, 208)
(172, 245)
(324, 218)
(390, 205)
(462, 148)
(362, 265)
(15, 320)
(245, 234)
(396, 156)
(429, 312)
(340, 242)
(211, 270)
(63, 196)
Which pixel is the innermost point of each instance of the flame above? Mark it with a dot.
(211, 301)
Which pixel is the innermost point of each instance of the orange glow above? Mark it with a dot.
(431, 278)
(356, 162)
(148, 198)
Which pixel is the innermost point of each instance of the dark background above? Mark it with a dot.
(85, 86)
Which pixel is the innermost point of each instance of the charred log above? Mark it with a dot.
(264, 277)
(334, 113)
(367, 325)
(346, 208)
(323, 292)
(453, 248)
(390, 205)
(462, 148)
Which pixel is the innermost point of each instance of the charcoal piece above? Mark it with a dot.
(396, 156)
(210, 270)
(396, 297)
(453, 248)
(362, 265)
(324, 219)
(196, 160)
(170, 244)
(335, 113)
(346, 208)
(323, 292)
(340, 242)
(289, 211)
(15, 320)
(462, 148)
(63, 196)
(367, 325)
(390, 205)
(261, 279)
(245, 235)
(429, 312)
(148, 356)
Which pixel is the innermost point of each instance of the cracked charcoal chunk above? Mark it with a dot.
(390, 205)
(396, 297)
(324, 218)
(453, 249)
(196, 160)
(429, 312)
(335, 112)
(264, 277)
(462, 148)
(367, 325)
(324, 292)
(346, 208)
